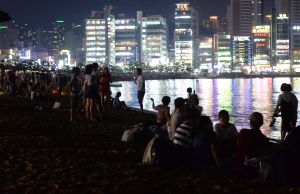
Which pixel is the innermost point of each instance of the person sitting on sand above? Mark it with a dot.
(177, 116)
(183, 138)
(226, 133)
(250, 143)
(163, 110)
(204, 154)
(119, 104)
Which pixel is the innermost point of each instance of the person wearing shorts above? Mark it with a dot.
(140, 82)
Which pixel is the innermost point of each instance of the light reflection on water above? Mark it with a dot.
(240, 97)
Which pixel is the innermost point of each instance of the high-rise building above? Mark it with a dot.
(294, 12)
(250, 13)
(282, 6)
(126, 40)
(222, 51)
(212, 24)
(261, 46)
(154, 40)
(100, 36)
(295, 50)
(7, 36)
(282, 42)
(241, 52)
(186, 27)
(205, 53)
(268, 20)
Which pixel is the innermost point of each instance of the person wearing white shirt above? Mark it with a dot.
(140, 82)
(227, 135)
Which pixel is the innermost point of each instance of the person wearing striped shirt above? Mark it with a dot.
(183, 135)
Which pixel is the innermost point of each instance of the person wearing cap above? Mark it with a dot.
(287, 104)
(251, 142)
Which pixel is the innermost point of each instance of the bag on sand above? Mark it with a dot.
(128, 135)
(56, 105)
(160, 153)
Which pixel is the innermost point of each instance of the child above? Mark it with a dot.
(75, 89)
(119, 104)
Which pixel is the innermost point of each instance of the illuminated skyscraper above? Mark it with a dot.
(250, 14)
(100, 36)
(153, 39)
(186, 27)
(126, 40)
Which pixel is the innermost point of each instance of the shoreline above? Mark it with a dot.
(129, 77)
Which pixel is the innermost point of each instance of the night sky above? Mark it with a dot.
(40, 12)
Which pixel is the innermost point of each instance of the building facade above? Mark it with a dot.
(283, 42)
(222, 52)
(250, 13)
(153, 33)
(241, 52)
(126, 40)
(205, 53)
(100, 36)
(261, 36)
(186, 27)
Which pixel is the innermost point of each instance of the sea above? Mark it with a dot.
(240, 97)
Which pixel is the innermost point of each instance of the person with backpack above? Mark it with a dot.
(287, 104)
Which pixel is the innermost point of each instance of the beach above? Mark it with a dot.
(43, 152)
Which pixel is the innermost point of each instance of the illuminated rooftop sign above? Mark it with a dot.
(282, 16)
(261, 29)
(241, 38)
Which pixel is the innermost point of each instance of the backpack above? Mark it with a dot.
(194, 98)
(160, 153)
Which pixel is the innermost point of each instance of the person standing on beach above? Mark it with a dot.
(74, 94)
(140, 82)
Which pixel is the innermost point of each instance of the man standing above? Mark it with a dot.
(140, 82)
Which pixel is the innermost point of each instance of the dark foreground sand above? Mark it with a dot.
(42, 152)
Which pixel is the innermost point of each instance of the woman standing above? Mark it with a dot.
(105, 87)
(288, 104)
(90, 91)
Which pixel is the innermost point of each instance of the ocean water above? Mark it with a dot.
(240, 97)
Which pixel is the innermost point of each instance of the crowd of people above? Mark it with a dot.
(198, 143)
(201, 145)
(92, 87)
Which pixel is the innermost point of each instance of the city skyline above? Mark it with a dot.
(58, 9)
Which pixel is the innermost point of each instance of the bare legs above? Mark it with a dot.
(107, 100)
(141, 106)
(89, 108)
